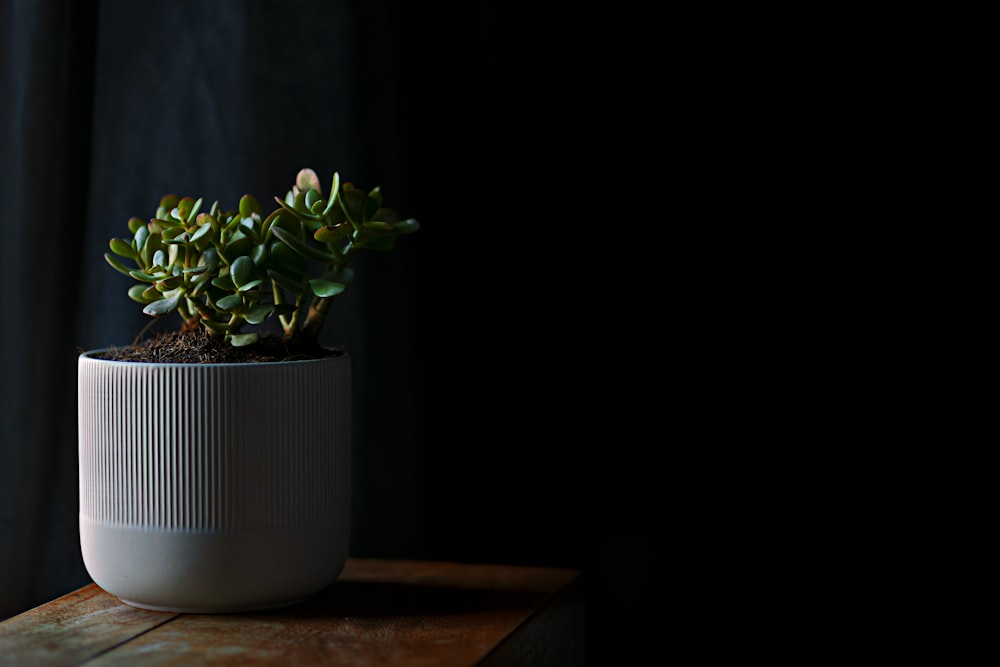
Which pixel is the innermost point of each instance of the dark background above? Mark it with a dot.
(702, 304)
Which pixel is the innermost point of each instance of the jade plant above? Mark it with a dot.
(226, 269)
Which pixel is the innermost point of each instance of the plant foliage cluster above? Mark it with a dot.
(223, 270)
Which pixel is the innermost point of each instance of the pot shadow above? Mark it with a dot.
(360, 599)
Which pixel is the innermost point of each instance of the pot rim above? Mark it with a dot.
(88, 355)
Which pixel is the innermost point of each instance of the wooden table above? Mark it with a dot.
(379, 612)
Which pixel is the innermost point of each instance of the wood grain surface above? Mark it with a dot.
(379, 612)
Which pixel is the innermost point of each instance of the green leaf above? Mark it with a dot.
(162, 307)
(180, 212)
(258, 314)
(242, 340)
(293, 284)
(135, 223)
(224, 282)
(377, 225)
(145, 277)
(281, 217)
(311, 199)
(173, 232)
(385, 215)
(324, 288)
(334, 192)
(248, 227)
(268, 221)
(332, 234)
(249, 206)
(217, 327)
(232, 223)
(229, 302)
(149, 248)
(207, 218)
(123, 249)
(258, 254)
(311, 224)
(242, 271)
(300, 202)
(246, 287)
(136, 293)
(286, 259)
(167, 284)
(209, 260)
(169, 202)
(294, 211)
(239, 245)
(352, 201)
(186, 208)
(301, 247)
(140, 236)
(373, 203)
(203, 231)
(199, 287)
(343, 275)
(407, 226)
(117, 265)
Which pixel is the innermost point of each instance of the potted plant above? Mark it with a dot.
(215, 458)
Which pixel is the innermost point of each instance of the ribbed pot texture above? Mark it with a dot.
(214, 487)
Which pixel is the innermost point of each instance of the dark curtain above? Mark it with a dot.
(702, 303)
(47, 79)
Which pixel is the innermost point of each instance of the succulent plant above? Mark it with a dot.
(223, 270)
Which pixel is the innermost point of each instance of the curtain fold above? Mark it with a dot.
(46, 78)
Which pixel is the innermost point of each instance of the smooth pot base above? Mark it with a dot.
(212, 572)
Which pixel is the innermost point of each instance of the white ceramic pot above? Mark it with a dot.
(214, 487)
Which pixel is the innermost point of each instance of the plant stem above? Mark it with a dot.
(317, 314)
(293, 323)
(278, 297)
(204, 312)
(235, 324)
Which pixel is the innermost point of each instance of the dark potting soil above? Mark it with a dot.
(198, 346)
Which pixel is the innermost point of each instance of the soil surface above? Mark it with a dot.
(198, 346)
